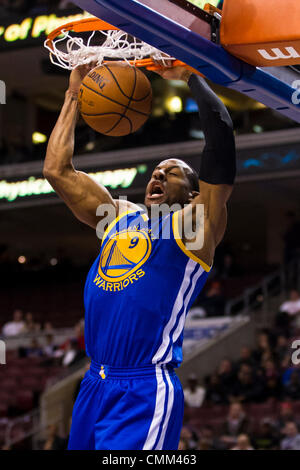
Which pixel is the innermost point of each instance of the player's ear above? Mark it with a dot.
(193, 194)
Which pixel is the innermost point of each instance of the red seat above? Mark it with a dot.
(7, 398)
(31, 383)
(24, 400)
(3, 410)
(8, 385)
(296, 407)
(12, 372)
(261, 410)
(34, 372)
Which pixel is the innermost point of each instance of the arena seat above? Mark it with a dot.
(3, 410)
(8, 385)
(24, 400)
(257, 410)
(31, 383)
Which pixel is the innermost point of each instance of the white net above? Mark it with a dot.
(68, 51)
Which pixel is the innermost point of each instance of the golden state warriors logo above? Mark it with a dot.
(121, 259)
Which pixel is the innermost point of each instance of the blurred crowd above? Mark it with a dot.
(236, 432)
(265, 378)
(42, 343)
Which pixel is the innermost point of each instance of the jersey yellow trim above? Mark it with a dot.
(145, 217)
(183, 247)
(115, 221)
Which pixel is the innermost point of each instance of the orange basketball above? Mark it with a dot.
(115, 99)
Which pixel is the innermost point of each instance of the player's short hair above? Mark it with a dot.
(193, 178)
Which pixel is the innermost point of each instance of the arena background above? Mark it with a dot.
(242, 389)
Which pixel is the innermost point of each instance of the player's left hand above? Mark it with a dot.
(77, 75)
(167, 71)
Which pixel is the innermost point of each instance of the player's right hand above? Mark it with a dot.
(77, 75)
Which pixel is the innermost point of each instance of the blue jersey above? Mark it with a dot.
(138, 292)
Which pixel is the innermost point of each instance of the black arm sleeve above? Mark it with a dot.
(218, 161)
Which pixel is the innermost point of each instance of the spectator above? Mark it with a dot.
(226, 375)
(30, 325)
(236, 423)
(215, 392)
(286, 414)
(34, 350)
(270, 369)
(204, 444)
(247, 388)
(48, 327)
(194, 394)
(292, 305)
(183, 444)
(273, 389)
(282, 347)
(189, 436)
(292, 388)
(72, 354)
(53, 441)
(50, 347)
(246, 357)
(16, 326)
(207, 439)
(243, 443)
(292, 439)
(266, 437)
(286, 369)
(263, 350)
(79, 334)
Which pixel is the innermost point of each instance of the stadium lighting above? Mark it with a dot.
(39, 138)
(258, 129)
(174, 104)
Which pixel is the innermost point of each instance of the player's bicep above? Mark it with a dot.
(83, 195)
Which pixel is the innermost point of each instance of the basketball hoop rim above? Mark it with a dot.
(96, 24)
(79, 26)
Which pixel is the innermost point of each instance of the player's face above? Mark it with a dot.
(169, 184)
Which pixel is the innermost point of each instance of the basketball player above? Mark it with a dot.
(140, 288)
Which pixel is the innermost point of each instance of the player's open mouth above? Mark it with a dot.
(156, 191)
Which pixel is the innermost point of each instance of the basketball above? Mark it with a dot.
(115, 99)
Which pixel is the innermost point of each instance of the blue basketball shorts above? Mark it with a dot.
(127, 409)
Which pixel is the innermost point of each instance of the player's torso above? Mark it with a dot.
(138, 292)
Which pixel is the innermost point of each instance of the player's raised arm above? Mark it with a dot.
(217, 169)
(218, 164)
(79, 191)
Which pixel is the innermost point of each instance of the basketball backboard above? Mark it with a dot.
(184, 31)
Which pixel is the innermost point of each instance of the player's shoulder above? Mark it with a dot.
(125, 206)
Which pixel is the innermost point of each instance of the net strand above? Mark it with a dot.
(116, 45)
